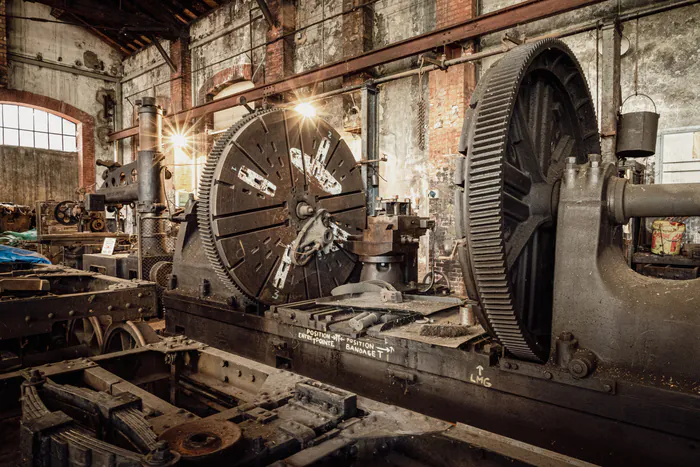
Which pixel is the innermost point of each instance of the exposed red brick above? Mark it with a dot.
(4, 66)
(279, 54)
(450, 92)
(181, 79)
(84, 121)
(223, 79)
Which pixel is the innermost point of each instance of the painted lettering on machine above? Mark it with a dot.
(347, 344)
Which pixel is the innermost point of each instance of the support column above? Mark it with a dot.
(279, 57)
(450, 92)
(610, 91)
(181, 78)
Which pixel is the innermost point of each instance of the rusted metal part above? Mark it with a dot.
(203, 440)
(23, 285)
(388, 247)
(499, 20)
(15, 217)
(265, 416)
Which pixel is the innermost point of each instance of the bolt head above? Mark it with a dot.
(547, 375)
(71, 313)
(51, 315)
(507, 365)
(607, 388)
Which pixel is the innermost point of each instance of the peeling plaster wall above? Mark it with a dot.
(668, 54)
(668, 57)
(66, 45)
(145, 75)
(53, 175)
(223, 39)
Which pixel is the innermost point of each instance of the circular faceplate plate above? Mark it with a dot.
(257, 174)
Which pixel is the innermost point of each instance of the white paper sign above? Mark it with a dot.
(108, 246)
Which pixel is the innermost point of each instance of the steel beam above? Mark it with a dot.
(499, 20)
(56, 66)
(266, 13)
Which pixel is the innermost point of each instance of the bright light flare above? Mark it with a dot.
(178, 140)
(306, 109)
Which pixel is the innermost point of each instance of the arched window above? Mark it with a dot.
(225, 118)
(34, 128)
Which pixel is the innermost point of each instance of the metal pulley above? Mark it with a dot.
(636, 131)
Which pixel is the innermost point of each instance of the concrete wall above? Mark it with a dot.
(66, 45)
(29, 175)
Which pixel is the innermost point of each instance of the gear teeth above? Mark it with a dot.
(204, 219)
(488, 121)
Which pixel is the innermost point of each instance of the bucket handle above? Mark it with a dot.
(636, 94)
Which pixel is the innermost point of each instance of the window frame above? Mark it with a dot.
(58, 132)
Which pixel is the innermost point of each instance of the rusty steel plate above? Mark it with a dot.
(202, 439)
(256, 175)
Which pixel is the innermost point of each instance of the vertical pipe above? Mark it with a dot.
(610, 89)
(370, 146)
(151, 203)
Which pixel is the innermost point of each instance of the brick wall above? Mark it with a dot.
(450, 92)
(279, 55)
(181, 84)
(3, 46)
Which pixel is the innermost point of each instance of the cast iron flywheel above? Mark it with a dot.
(530, 112)
(263, 182)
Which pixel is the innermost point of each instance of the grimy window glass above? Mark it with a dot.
(34, 128)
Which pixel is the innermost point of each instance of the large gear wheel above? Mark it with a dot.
(530, 112)
(262, 182)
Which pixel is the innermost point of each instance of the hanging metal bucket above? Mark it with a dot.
(636, 132)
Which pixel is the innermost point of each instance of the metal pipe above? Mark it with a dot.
(55, 66)
(525, 12)
(677, 199)
(151, 190)
(121, 194)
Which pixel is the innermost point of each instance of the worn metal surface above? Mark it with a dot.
(257, 177)
(641, 316)
(530, 112)
(618, 417)
(227, 410)
(517, 14)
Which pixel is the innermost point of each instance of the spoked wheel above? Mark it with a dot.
(530, 112)
(128, 335)
(88, 332)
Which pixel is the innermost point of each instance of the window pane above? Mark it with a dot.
(69, 144)
(55, 124)
(41, 121)
(68, 128)
(26, 118)
(41, 140)
(56, 142)
(11, 137)
(26, 138)
(9, 116)
(2, 140)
